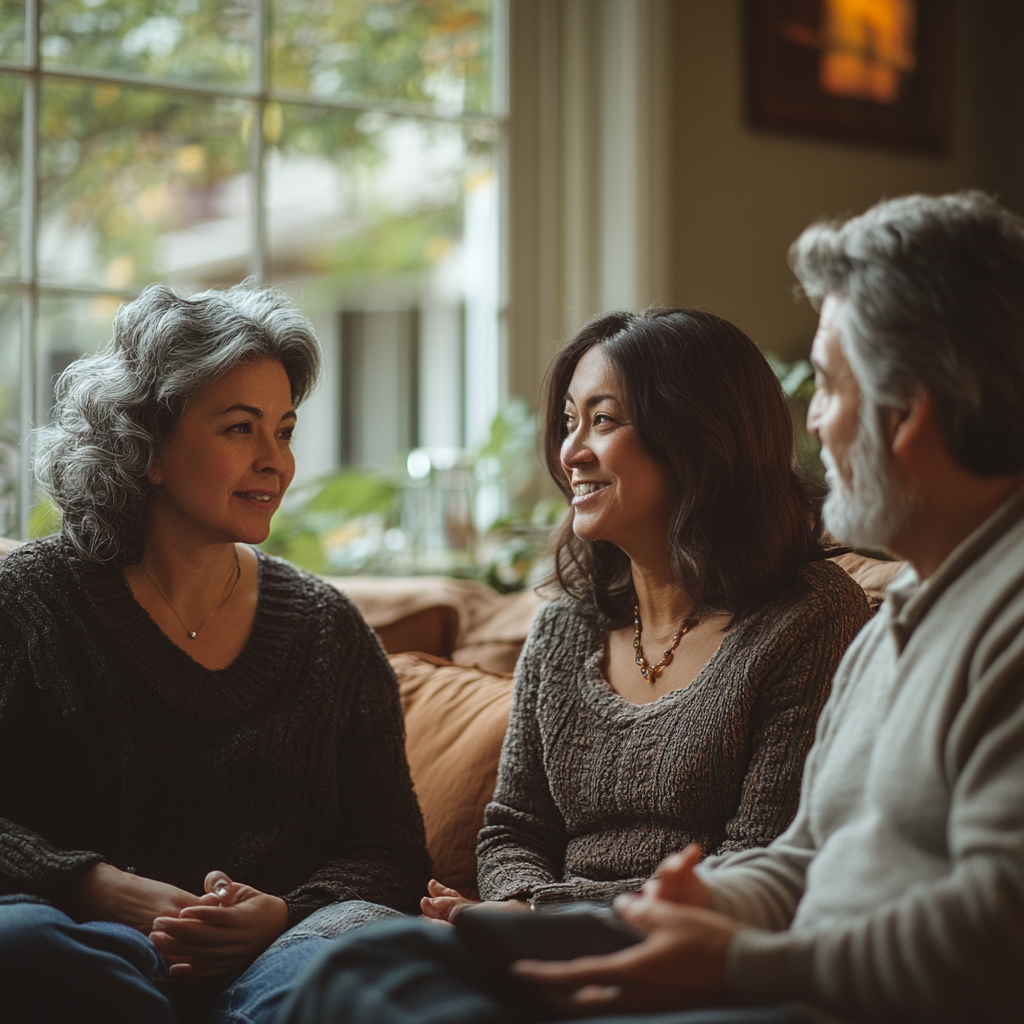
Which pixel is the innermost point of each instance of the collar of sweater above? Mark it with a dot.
(183, 683)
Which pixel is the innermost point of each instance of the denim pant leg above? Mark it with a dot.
(416, 972)
(406, 971)
(722, 1015)
(254, 997)
(54, 970)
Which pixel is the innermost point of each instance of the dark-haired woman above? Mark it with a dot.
(670, 696)
(202, 768)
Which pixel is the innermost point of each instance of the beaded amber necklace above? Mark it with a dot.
(648, 671)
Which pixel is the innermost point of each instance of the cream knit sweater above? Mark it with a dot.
(898, 892)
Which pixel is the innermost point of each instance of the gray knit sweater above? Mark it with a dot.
(593, 791)
(287, 769)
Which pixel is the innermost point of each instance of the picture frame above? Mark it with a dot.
(876, 72)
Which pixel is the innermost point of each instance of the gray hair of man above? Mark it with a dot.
(934, 290)
(117, 409)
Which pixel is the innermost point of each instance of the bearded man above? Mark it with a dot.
(897, 894)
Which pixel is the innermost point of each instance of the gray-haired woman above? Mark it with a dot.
(200, 746)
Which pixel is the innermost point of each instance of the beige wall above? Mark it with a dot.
(740, 197)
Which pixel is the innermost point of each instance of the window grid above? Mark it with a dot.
(260, 95)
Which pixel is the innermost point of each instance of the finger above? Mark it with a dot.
(213, 914)
(427, 906)
(584, 970)
(649, 913)
(199, 935)
(681, 862)
(435, 888)
(675, 879)
(219, 884)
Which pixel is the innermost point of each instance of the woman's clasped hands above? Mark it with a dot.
(222, 931)
(198, 936)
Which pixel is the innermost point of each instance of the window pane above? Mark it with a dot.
(11, 91)
(68, 326)
(10, 367)
(390, 228)
(137, 183)
(196, 41)
(12, 31)
(437, 54)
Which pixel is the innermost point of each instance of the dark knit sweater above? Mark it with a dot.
(594, 791)
(287, 769)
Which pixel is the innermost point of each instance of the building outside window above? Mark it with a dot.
(346, 151)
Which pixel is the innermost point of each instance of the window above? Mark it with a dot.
(347, 151)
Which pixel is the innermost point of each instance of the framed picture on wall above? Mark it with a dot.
(871, 71)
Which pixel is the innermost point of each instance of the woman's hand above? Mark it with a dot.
(108, 894)
(224, 931)
(443, 903)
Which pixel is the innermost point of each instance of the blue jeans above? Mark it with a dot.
(414, 972)
(55, 970)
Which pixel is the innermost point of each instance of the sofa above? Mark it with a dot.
(453, 645)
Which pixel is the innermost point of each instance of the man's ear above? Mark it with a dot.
(155, 473)
(910, 425)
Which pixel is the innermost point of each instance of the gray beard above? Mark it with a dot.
(873, 508)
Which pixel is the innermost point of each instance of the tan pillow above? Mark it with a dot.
(497, 631)
(455, 721)
(873, 574)
(7, 545)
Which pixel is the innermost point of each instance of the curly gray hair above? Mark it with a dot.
(935, 297)
(115, 410)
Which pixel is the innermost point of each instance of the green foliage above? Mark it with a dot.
(797, 380)
(43, 519)
(435, 53)
(131, 164)
(395, 244)
(318, 519)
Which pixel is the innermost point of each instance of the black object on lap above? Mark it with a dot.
(562, 933)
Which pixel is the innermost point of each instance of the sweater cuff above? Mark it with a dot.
(766, 968)
(58, 878)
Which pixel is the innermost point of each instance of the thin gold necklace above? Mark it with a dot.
(648, 671)
(191, 633)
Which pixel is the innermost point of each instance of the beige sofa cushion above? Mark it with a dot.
(455, 721)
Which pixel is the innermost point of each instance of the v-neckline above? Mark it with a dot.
(182, 682)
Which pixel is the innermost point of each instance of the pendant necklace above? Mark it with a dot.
(191, 633)
(648, 671)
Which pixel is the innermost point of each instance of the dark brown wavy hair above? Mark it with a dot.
(706, 406)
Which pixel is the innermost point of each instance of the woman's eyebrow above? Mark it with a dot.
(240, 407)
(255, 412)
(593, 399)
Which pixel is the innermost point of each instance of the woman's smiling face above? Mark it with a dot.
(226, 467)
(620, 494)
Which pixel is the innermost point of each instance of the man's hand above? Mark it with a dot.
(108, 894)
(224, 931)
(680, 965)
(676, 882)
